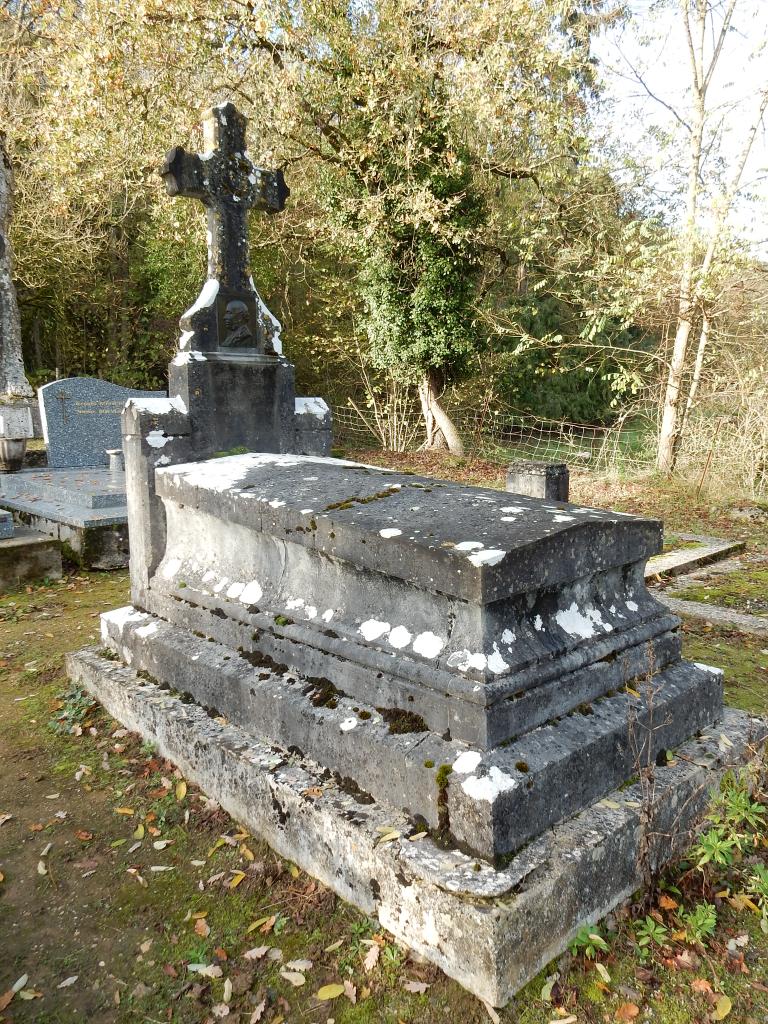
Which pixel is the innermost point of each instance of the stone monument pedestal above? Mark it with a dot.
(548, 480)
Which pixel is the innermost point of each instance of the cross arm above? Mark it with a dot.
(183, 174)
(271, 190)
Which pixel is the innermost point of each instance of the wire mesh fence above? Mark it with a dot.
(505, 435)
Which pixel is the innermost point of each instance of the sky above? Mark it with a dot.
(653, 47)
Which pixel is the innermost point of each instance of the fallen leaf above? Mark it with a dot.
(6, 997)
(181, 790)
(667, 903)
(41, 868)
(220, 1010)
(227, 991)
(258, 1012)
(494, 1016)
(334, 946)
(416, 986)
(160, 844)
(299, 965)
(68, 981)
(146, 945)
(202, 928)
(722, 1008)
(350, 991)
(388, 837)
(701, 985)
(294, 977)
(236, 879)
(83, 835)
(328, 992)
(256, 953)
(30, 993)
(124, 810)
(602, 970)
(20, 983)
(627, 1011)
(371, 958)
(5, 817)
(546, 988)
(207, 970)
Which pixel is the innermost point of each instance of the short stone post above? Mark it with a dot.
(547, 480)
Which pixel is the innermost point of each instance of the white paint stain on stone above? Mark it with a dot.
(465, 660)
(163, 460)
(276, 503)
(428, 645)
(170, 568)
(252, 592)
(148, 630)
(469, 545)
(508, 519)
(632, 605)
(507, 637)
(564, 519)
(488, 787)
(310, 611)
(400, 637)
(467, 762)
(391, 531)
(513, 508)
(704, 668)
(157, 439)
(296, 602)
(347, 724)
(372, 629)
(496, 663)
(490, 556)
(235, 589)
(327, 615)
(538, 624)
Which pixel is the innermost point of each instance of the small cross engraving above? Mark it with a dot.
(229, 185)
(63, 397)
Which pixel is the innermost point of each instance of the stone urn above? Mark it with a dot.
(12, 451)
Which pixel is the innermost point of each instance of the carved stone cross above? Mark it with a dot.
(229, 185)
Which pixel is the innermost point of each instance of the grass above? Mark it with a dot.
(745, 590)
(130, 945)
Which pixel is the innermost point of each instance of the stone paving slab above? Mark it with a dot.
(6, 524)
(675, 563)
(82, 495)
(754, 624)
(491, 930)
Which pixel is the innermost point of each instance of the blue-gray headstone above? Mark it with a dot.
(81, 419)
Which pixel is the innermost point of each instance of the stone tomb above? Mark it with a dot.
(79, 500)
(431, 697)
(431, 657)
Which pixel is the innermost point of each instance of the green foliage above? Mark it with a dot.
(650, 932)
(700, 923)
(715, 846)
(589, 942)
(75, 707)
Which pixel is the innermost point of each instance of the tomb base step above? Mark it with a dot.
(494, 801)
(94, 545)
(490, 929)
(26, 557)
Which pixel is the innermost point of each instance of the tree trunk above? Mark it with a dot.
(665, 457)
(440, 428)
(695, 379)
(689, 296)
(13, 382)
